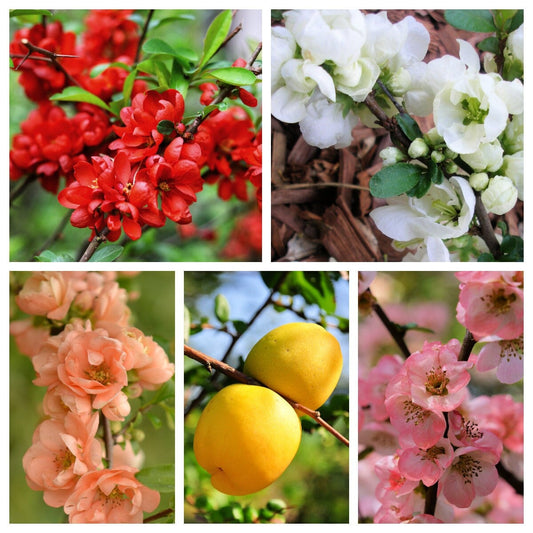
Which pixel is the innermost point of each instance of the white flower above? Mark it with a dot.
(283, 48)
(489, 157)
(500, 195)
(357, 78)
(474, 108)
(445, 212)
(513, 167)
(324, 124)
(478, 181)
(513, 137)
(301, 78)
(327, 35)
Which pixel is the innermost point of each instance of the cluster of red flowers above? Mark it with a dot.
(142, 171)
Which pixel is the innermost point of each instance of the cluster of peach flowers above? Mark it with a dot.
(91, 362)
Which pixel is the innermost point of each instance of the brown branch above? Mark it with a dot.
(55, 235)
(215, 365)
(108, 439)
(485, 226)
(392, 328)
(466, 348)
(93, 245)
(157, 516)
(143, 35)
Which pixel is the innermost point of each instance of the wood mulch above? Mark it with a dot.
(319, 201)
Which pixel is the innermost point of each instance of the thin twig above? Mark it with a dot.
(93, 245)
(466, 348)
(108, 439)
(392, 328)
(214, 364)
(487, 231)
(58, 231)
(143, 35)
(157, 516)
(17, 191)
(397, 105)
(321, 185)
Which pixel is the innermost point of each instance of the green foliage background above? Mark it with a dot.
(153, 313)
(315, 486)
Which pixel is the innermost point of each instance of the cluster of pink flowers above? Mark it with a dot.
(91, 362)
(427, 431)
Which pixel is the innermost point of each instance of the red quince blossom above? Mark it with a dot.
(110, 496)
(491, 304)
(437, 380)
(62, 451)
(106, 193)
(39, 77)
(246, 238)
(139, 137)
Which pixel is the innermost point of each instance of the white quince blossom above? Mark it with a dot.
(357, 78)
(513, 168)
(325, 125)
(489, 157)
(515, 43)
(474, 108)
(445, 212)
(283, 48)
(327, 35)
(500, 195)
(513, 137)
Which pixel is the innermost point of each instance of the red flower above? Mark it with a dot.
(139, 137)
(208, 92)
(108, 193)
(245, 242)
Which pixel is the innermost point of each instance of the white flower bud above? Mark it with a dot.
(391, 155)
(479, 181)
(500, 195)
(489, 157)
(513, 136)
(489, 63)
(450, 154)
(515, 43)
(513, 168)
(451, 167)
(400, 82)
(437, 157)
(418, 148)
(433, 138)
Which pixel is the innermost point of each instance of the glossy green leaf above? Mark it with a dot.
(477, 20)
(234, 76)
(77, 94)
(490, 44)
(315, 287)
(160, 478)
(217, 32)
(108, 252)
(395, 180)
(24, 12)
(47, 256)
(409, 126)
(158, 46)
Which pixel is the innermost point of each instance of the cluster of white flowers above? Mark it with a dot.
(326, 63)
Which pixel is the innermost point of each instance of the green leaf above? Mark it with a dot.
(490, 44)
(512, 69)
(517, 20)
(47, 256)
(240, 326)
(169, 20)
(77, 94)
(395, 180)
(186, 56)
(503, 18)
(215, 35)
(154, 420)
(186, 323)
(409, 126)
(422, 187)
(158, 46)
(108, 252)
(314, 287)
(165, 127)
(512, 248)
(98, 69)
(434, 172)
(477, 20)
(165, 392)
(222, 308)
(24, 12)
(160, 478)
(234, 76)
(486, 258)
(128, 85)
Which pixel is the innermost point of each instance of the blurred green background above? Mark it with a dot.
(36, 214)
(315, 486)
(153, 313)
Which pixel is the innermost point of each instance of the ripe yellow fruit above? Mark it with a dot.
(301, 361)
(246, 437)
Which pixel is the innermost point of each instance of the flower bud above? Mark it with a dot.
(450, 154)
(433, 138)
(418, 148)
(479, 181)
(489, 157)
(500, 195)
(391, 155)
(450, 167)
(437, 157)
(400, 82)
(515, 43)
(513, 167)
(489, 63)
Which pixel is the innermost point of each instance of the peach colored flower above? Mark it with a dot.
(61, 452)
(28, 337)
(90, 362)
(111, 305)
(47, 294)
(118, 408)
(110, 496)
(123, 455)
(59, 400)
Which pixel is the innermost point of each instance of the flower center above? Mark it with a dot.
(448, 213)
(499, 302)
(114, 498)
(436, 382)
(100, 373)
(433, 453)
(414, 413)
(512, 348)
(164, 186)
(468, 467)
(473, 112)
(64, 459)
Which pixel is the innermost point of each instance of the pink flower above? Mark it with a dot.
(110, 305)
(28, 337)
(437, 380)
(492, 304)
(464, 430)
(416, 425)
(47, 294)
(59, 400)
(472, 473)
(426, 465)
(61, 452)
(365, 279)
(110, 496)
(507, 356)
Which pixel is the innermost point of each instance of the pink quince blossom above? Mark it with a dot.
(61, 452)
(507, 356)
(472, 473)
(437, 379)
(110, 496)
(492, 304)
(426, 465)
